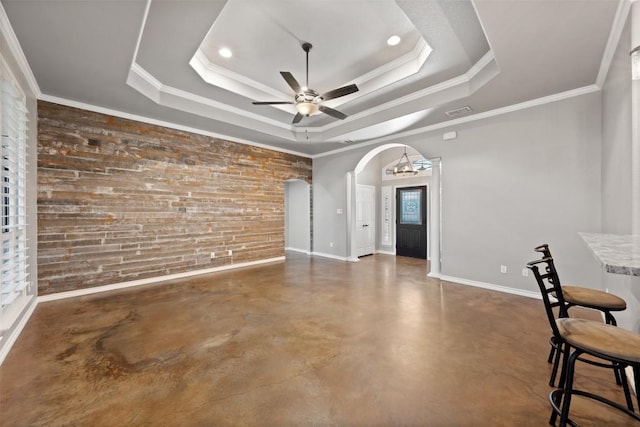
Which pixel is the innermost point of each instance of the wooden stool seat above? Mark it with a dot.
(592, 298)
(599, 338)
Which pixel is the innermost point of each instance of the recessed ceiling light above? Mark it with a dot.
(393, 40)
(225, 52)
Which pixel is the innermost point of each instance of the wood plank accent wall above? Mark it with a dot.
(120, 200)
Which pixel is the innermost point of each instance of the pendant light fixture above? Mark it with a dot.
(404, 167)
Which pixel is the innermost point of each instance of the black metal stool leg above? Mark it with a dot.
(560, 394)
(556, 364)
(636, 381)
(618, 374)
(610, 320)
(568, 385)
(625, 386)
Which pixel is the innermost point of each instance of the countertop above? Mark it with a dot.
(618, 253)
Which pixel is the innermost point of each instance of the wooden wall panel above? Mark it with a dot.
(120, 200)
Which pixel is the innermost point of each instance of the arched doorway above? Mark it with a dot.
(434, 218)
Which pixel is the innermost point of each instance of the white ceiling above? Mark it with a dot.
(159, 59)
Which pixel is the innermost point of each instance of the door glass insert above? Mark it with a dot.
(410, 212)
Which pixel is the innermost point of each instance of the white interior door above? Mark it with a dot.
(366, 219)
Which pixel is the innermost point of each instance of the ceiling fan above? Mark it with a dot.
(309, 101)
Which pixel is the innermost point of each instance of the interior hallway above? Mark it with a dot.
(309, 341)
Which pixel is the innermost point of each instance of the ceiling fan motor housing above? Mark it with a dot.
(308, 95)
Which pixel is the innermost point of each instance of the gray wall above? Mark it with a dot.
(297, 216)
(616, 173)
(509, 183)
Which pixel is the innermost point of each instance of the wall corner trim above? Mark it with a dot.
(490, 286)
(152, 280)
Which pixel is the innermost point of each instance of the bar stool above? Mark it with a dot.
(582, 297)
(550, 286)
(586, 297)
(596, 339)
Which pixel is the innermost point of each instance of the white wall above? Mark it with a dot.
(616, 173)
(509, 183)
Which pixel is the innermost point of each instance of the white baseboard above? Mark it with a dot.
(490, 286)
(11, 339)
(386, 252)
(302, 251)
(323, 255)
(151, 280)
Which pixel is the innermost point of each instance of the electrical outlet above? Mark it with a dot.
(503, 269)
(525, 272)
(213, 255)
(330, 244)
(230, 252)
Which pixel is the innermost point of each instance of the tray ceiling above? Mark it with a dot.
(160, 60)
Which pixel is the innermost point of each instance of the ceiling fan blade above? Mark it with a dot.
(341, 91)
(333, 113)
(291, 81)
(272, 102)
(297, 118)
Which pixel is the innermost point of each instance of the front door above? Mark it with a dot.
(411, 222)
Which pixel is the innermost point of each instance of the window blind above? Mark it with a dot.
(14, 279)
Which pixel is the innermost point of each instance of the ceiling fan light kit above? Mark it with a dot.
(308, 101)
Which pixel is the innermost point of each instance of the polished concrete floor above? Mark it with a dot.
(309, 341)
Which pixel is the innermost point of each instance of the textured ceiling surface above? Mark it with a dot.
(159, 59)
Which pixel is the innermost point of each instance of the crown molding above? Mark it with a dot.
(484, 115)
(16, 51)
(144, 82)
(619, 20)
(181, 100)
(390, 72)
(463, 82)
(168, 96)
